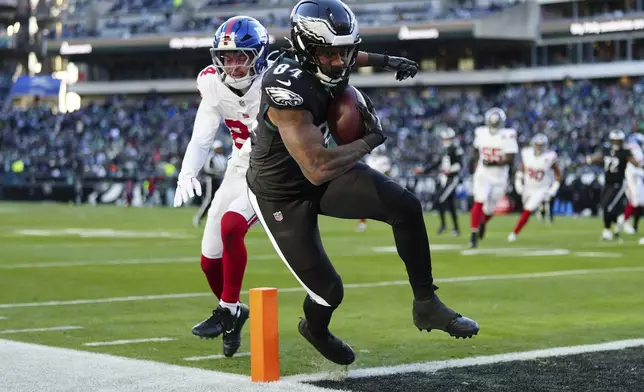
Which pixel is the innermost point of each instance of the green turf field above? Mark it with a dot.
(65, 253)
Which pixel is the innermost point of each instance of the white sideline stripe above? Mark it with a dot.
(434, 366)
(61, 328)
(457, 279)
(215, 356)
(598, 254)
(28, 367)
(130, 341)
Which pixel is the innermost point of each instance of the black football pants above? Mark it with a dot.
(292, 227)
(612, 196)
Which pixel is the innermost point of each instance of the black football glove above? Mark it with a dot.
(373, 134)
(404, 67)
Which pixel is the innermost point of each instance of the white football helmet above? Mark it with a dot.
(495, 119)
(540, 143)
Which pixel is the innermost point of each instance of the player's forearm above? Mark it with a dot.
(330, 163)
(366, 59)
(203, 135)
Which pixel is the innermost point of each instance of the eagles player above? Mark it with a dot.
(449, 178)
(230, 90)
(294, 177)
(615, 158)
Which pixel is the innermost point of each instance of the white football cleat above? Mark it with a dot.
(628, 228)
(607, 235)
(512, 237)
(361, 227)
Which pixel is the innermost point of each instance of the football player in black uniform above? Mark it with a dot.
(615, 157)
(449, 178)
(293, 177)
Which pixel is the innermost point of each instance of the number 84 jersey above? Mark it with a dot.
(493, 147)
(220, 104)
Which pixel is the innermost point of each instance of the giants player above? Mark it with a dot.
(537, 180)
(379, 161)
(634, 184)
(231, 93)
(494, 150)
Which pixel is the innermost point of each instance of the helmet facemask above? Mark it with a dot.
(237, 67)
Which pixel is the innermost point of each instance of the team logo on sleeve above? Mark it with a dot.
(284, 97)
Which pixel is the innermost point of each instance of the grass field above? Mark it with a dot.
(557, 286)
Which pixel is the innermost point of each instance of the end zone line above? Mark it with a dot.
(129, 341)
(214, 356)
(457, 279)
(61, 328)
(434, 366)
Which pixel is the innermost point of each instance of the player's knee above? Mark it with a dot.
(233, 225)
(407, 207)
(335, 293)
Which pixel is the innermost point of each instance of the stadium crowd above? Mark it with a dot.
(116, 138)
(156, 16)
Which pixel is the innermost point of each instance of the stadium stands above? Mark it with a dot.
(117, 138)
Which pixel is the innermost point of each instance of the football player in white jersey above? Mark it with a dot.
(379, 161)
(537, 180)
(634, 185)
(230, 91)
(495, 148)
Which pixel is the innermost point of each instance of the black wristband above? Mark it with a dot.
(377, 60)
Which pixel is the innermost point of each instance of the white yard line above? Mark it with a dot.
(215, 356)
(3, 318)
(130, 341)
(61, 328)
(606, 255)
(476, 361)
(30, 367)
(535, 275)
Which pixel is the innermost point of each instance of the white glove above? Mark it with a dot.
(518, 183)
(187, 187)
(554, 188)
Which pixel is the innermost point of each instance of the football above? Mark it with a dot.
(343, 116)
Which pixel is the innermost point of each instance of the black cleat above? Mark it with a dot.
(433, 314)
(331, 347)
(474, 240)
(220, 321)
(232, 334)
(441, 230)
(482, 231)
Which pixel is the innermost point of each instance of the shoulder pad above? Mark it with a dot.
(207, 84)
(286, 84)
(510, 133)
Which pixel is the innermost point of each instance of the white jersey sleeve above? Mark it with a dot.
(207, 122)
(477, 137)
(510, 145)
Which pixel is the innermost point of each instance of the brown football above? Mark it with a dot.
(343, 117)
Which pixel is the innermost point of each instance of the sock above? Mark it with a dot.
(363, 221)
(233, 307)
(452, 211)
(525, 215)
(318, 317)
(637, 214)
(628, 211)
(213, 268)
(476, 216)
(607, 220)
(233, 231)
(441, 213)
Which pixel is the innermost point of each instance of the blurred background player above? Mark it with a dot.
(213, 173)
(634, 185)
(230, 91)
(495, 148)
(537, 180)
(448, 179)
(615, 158)
(380, 161)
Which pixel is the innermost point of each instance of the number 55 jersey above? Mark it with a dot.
(493, 147)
